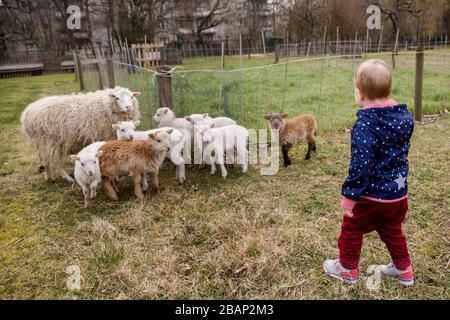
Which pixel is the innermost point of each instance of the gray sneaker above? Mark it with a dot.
(404, 277)
(334, 268)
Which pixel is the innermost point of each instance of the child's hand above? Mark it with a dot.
(348, 205)
(348, 213)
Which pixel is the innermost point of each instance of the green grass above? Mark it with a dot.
(321, 87)
(246, 237)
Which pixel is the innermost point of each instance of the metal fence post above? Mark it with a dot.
(418, 113)
(164, 87)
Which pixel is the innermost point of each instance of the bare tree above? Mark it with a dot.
(393, 10)
(205, 15)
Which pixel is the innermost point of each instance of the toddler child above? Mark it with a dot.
(375, 192)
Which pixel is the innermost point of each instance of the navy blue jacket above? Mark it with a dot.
(380, 146)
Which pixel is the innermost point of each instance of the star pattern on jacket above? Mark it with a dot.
(400, 181)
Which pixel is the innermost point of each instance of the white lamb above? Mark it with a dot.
(197, 132)
(197, 118)
(57, 126)
(224, 141)
(126, 130)
(165, 117)
(87, 170)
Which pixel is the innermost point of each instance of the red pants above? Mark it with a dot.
(368, 216)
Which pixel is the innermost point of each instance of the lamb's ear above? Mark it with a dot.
(188, 119)
(136, 123)
(212, 125)
(284, 115)
(152, 136)
(113, 95)
(205, 115)
(169, 131)
(99, 154)
(136, 94)
(166, 110)
(115, 126)
(267, 117)
(74, 157)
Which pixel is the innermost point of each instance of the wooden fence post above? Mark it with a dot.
(79, 70)
(277, 53)
(164, 87)
(222, 61)
(418, 114)
(110, 73)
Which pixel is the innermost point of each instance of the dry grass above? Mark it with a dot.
(246, 237)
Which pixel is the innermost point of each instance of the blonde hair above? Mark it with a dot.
(374, 80)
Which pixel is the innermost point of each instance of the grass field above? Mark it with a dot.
(321, 87)
(246, 237)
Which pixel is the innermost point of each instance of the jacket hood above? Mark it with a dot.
(392, 124)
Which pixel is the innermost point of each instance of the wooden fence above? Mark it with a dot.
(148, 55)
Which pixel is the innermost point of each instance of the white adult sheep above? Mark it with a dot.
(126, 130)
(87, 170)
(224, 141)
(60, 125)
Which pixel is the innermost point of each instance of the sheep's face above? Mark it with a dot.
(207, 133)
(161, 140)
(124, 100)
(199, 129)
(163, 114)
(198, 118)
(276, 120)
(88, 163)
(125, 129)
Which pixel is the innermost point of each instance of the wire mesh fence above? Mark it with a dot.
(248, 88)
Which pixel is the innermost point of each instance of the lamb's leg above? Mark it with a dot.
(106, 183)
(181, 174)
(144, 183)
(285, 149)
(310, 148)
(156, 180)
(220, 159)
(86, 192)
(65, 175)
(243, 157)
(114, 184)
(137, 186)
(93, 188)
(48, 172)
(213, 166)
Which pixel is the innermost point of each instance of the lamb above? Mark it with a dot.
(133, 157)
(198, 118)
(224, 141)
(292, 131)
(126, 131)
(165, 117)
(60, 125)
(87, 170)
(205, 121)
